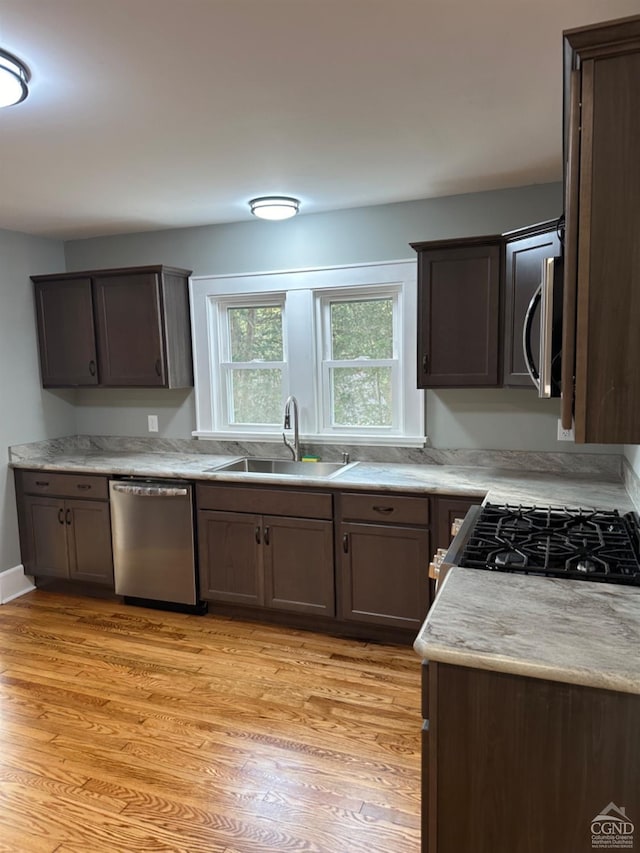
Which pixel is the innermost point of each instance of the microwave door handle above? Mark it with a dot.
(526, 338)
(546, 327)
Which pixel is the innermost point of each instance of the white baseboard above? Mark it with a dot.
(14, 583)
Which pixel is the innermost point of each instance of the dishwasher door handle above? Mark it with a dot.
(147, 491)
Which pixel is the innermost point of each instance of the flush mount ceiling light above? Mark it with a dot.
(14, 76)
(274, 207)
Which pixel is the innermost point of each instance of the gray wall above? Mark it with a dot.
(361, 235)
(490, 419)
(28, 412)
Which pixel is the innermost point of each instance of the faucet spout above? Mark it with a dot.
(290, 406)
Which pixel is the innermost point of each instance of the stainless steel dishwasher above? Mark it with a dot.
(153, 543)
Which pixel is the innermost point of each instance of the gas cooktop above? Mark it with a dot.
(555, 542)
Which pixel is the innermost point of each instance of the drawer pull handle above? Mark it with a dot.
(42, 482)
(83, 486)
(345, 543)
(257, 534)
(385, 510)
(60, 516)
(68, 516)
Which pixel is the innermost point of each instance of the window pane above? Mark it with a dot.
(255, 334)
(362, 329)
(361, 396)
(256, 396)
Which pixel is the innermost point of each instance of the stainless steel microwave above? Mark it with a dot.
(545, 366)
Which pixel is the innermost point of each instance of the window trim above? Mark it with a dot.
(300, 289)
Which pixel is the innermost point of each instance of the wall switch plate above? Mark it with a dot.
(565, 434)
(153, 423)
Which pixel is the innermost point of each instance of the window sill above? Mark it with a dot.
(334, 438)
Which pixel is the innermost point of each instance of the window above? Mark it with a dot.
(342, 340)
(252, 362)
(359, 365)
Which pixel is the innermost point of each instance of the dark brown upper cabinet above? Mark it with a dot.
(66, 332)
(525, 251)
(459, 312)
(601, 344)
(115, 328)
(473, 295)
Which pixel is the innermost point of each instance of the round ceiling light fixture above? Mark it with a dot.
(274, 207)
(14, 76)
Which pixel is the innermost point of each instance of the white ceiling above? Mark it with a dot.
(148, 114)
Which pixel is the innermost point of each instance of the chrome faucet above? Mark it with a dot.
(295, 447)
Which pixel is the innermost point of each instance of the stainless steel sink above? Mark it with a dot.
(250, 465)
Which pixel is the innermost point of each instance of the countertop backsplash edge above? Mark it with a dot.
(606, 465)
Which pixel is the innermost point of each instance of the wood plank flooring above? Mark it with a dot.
(125, 729)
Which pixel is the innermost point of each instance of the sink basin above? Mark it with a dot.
(285, 467)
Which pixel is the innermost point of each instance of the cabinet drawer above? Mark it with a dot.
(64, 485)
(292, 502)
(382, 507)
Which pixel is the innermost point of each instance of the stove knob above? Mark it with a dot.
(456, 525)
(434, 571)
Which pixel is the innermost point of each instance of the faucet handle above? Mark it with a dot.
(345, 457)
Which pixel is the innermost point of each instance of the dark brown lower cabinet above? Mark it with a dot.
(521, 765)
(229, 551)
(67, 539)
(384, 574)
(272, 561)
(298, 565)
(383, 549)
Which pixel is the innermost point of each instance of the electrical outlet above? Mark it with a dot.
(565, 434)
(153, 423)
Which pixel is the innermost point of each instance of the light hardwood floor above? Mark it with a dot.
(126, 729)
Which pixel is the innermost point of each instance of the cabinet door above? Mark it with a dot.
(229, 555)
(384, 577)
(46, 537)
(519, 763)
(523, 273)
(130, 341)
(458, 316)
(298, 565)
(89, 541)
(66, 335)
(607, 370)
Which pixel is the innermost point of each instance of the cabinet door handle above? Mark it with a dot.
(257, 534)
(425, 363)
(345, 543)
(68, 516)
(60, 516)
(266, 536)
(83, 486)
(158, 367)
(385, 510)
(42, 482)
(92, 367)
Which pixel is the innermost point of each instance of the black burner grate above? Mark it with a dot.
(556, 542)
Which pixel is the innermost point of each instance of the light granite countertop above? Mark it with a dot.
(497, 485)
(573, 631)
